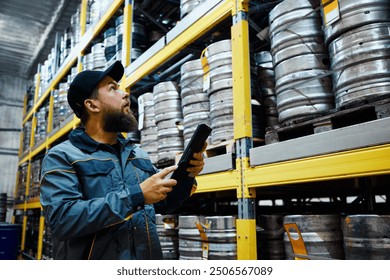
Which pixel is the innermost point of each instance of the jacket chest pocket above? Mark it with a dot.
(97, 178)
(143, 169)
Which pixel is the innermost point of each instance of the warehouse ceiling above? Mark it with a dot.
(28, 30)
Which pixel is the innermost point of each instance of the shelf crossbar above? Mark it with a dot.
(368, 161)
(220, 181)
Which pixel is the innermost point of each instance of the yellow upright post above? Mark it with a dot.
(83, 17)
(37, 84)
(40, 235)
(127, 41)
(246, 222)
(21, 137)
(51, 113)
(24, 226)
(127, 36)
(83, 27)
(15, 193)
(241, 72)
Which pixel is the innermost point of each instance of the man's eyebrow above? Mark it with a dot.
(113, 83)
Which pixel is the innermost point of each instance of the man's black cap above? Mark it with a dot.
(83, 84)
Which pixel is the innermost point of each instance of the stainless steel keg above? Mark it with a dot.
(190, 242)
(299, 53)
(222, 237)
(367, 237)
(168, 235)
(360, 59)
(321, 234)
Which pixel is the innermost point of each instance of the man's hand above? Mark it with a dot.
(197, 162)
(156, 187)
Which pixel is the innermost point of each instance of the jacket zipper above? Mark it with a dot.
(92, 245)
(148, 233)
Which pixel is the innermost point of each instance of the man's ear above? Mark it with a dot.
(92, 105)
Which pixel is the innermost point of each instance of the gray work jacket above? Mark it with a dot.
(94, 204)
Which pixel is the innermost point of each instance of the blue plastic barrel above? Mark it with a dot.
(9, 241)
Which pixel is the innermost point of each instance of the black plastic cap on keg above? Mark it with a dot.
(83, 84)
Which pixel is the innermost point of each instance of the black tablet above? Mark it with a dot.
(194, 146)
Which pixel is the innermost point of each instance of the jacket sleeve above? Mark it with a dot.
(69, 214)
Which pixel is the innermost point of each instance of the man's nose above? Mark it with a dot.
(125, 94)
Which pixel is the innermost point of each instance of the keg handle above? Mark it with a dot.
(204, 238)
(169, 223)
(206, 70)
(298, 245)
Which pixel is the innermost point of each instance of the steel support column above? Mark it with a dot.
(246, 222)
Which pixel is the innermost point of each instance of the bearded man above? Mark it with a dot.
(99, 191)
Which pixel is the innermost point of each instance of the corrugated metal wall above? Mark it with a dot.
(12, 90)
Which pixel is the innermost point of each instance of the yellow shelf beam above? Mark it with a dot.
(349, 164)
(33, 205)
(188, 36)
(19, 206)
(221, 181)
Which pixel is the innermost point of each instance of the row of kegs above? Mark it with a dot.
(61, 111)
(317, 68)
(178, 110)
(22, 183)
(110, 48)
(27, 128)
(197, 237)
(329, 236)
(71, 35)
(351, 237)
(41, 128)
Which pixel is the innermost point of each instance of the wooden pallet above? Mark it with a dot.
(224, 147)
(34, 193)
(33, 199)
(336, 118)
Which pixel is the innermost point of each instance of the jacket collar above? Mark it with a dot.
(79, 138)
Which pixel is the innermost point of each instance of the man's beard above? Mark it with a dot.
(118, 121)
